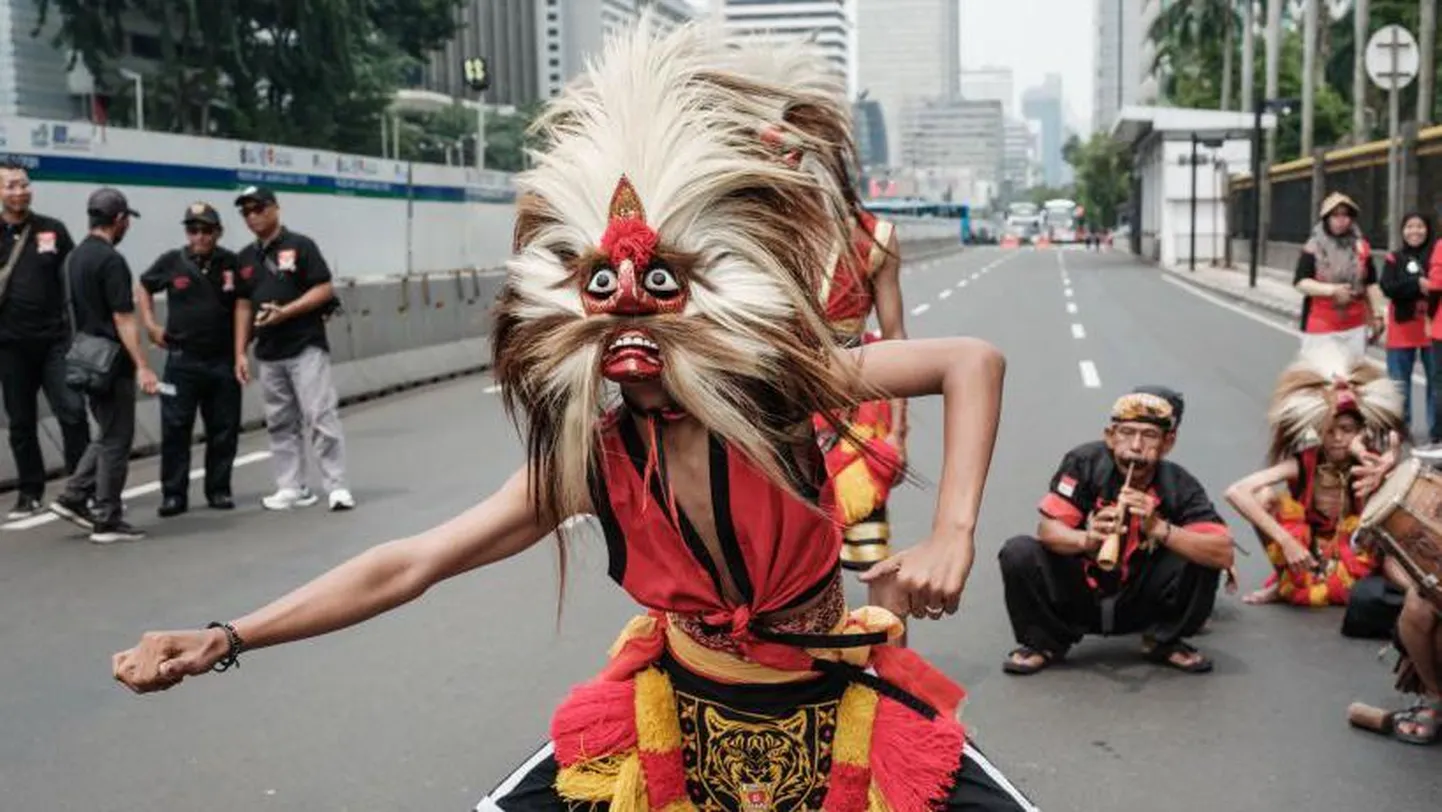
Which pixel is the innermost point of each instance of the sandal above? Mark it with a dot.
(1166, 654)
(1011, 666)
(1422, 715)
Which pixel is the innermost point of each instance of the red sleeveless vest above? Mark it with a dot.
(779, 550)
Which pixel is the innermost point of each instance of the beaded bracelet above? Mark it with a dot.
(232, 654)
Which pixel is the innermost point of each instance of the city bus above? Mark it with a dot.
(1059, 220)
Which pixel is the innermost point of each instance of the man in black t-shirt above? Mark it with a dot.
(290, 289)
(207, 327)
(101, 298)
(1169, 559)
(34, 334)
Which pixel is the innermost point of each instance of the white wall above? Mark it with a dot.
(1166, 180)
(356, 208)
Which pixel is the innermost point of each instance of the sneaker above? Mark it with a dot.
(118, 530)
(340, 499)
(25, 507)
(75, 511)
(287, 498)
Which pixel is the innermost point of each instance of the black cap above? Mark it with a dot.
(201, 212)
(1171, 396)
(109, 203)
(258, 194)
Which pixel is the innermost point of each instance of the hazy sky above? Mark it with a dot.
(1034, 38)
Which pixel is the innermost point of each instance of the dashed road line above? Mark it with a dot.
(919, 309)
(945, 293)
(1090, 378)
(1077, 331)
(1071, 307)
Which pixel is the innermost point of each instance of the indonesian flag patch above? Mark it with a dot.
(45, 242)
(1066, 486)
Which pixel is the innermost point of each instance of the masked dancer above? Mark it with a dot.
(659, 337)
(1332, 416)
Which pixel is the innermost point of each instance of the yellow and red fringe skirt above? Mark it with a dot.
(671, 726)
(863, 482)
(1338, 565)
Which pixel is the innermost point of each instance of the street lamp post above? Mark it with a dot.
(1282, 107)
(139, 96)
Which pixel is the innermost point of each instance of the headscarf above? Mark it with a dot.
(1337, 259)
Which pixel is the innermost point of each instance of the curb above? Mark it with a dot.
(1221, 290)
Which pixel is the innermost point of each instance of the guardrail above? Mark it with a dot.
(395, 333)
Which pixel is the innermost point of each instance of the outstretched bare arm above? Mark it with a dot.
(378, 580)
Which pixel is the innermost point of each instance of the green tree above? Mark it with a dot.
(1103, 176)
(318, 73)
(1195, 51)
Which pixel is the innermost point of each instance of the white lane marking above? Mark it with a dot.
(919, 309)
(1067, 293)
(961, 284)
(493, 389)
(945, 293)
(1089, 375)
(1071, 307)
(975, 275)
(1077, 331)
(1417, 377)
(131, 493)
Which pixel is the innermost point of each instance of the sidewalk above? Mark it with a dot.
(1274, 291)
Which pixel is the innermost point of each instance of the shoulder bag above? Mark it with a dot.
(90, 362)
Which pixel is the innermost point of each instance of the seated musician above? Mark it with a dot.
(1324, 406)
(1174, 547)
(1419, 636)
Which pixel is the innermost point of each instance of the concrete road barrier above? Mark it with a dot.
(395, 333)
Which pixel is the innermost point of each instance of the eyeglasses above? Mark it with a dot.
(194, 229)
(1147, 434)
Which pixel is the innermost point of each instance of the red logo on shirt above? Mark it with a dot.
(247, 272)
(180, 282)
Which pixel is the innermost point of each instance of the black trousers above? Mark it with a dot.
(1052, 607)
(102, 470)
(26, 367)
(207, 385)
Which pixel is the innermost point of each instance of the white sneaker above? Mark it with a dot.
(340, 499)
(287, 498)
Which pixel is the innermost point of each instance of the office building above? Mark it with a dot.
(908, 52)
(1123, 54)
(953, 148)
(990, 84)
(1043, 104)
(823, 21)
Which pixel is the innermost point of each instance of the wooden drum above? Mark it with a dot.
(1405, 516)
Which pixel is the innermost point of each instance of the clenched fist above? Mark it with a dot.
(163, 659)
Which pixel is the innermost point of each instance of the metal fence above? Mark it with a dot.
(1359, 172)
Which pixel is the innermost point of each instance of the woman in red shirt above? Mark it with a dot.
(1336, 275)
(1404, 281)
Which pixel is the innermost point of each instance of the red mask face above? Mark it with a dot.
(631, 284)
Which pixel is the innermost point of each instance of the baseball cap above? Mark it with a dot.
(258, 194)
(109, 202)
(201, 212)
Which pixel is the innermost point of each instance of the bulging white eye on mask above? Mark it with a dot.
(603, 282)
(660, 281)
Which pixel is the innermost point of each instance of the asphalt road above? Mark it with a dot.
(428, 707)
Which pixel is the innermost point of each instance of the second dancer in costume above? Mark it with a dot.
(659, 334)
(1333, 416)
